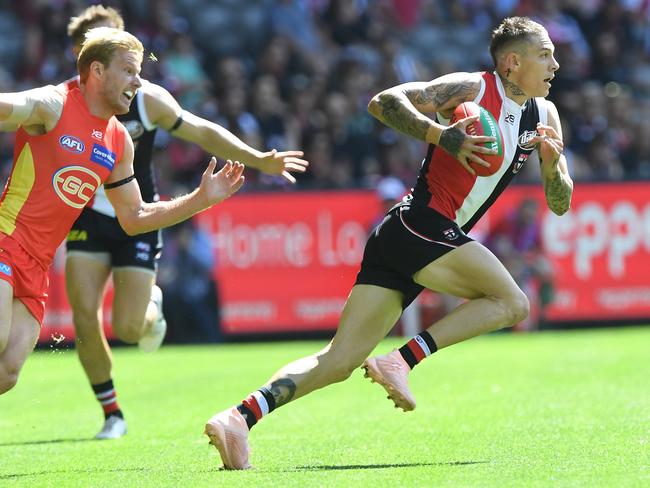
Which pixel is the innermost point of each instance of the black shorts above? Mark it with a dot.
(408, 239)
(98, 233)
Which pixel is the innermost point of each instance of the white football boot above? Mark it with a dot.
(154, 336)
(114, 428)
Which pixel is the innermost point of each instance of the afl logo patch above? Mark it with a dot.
(134, 128)
(72, 144)
(75, 185)
(525, 138)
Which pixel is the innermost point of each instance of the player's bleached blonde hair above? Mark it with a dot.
(93, 15)
(101, 44)
(511, 33)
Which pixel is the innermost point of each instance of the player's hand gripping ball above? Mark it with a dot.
(486, 125)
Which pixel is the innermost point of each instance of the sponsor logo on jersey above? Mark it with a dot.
(97, 134)
(103, 156)
(72, 144)
(5, 269)
(134, 128)
(525, 138)
(510, 118)
(75, 185)
(450, 234)
(520, 163)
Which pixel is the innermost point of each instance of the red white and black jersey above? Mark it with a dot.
(445, 185)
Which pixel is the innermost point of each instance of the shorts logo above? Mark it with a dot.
(72, 144)
(142, 256)
(75, 185)
(103, 156)
(5, 269)
(450, 234)
(525, 138)
(143, 246)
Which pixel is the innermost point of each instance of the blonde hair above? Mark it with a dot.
(95, 14)
(101, 44)
(511, 33)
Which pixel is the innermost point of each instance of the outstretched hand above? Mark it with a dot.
(220, 185)
(549, 143)
(283, 163)
(463, 146)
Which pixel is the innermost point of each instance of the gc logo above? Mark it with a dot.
(75, 185)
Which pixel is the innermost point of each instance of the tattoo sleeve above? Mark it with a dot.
(439, 94)
(283, 390)
(451, 140)
(399, 116)
(401, 110)
(558, 193)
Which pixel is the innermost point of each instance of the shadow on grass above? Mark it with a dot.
(384, 466)
(71, 471)
(49, 441)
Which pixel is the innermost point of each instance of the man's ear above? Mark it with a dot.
(97, 69)
(512, 62)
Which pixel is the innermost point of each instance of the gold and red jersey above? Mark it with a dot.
(56, 174)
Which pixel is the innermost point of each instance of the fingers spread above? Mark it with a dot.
(295, 167)
(287, 154)
(211, 165)
(288, 176)
(475, 159)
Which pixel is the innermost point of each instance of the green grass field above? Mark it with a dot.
(550, 409)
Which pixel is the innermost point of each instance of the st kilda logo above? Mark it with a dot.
(75, 185)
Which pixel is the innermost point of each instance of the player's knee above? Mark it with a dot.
(517, 308)
(340, 367)
(85, 316)
(8, 378)
(341, 372)
(129, 330)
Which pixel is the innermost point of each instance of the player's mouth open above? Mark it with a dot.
(548, 80)
(128, 94)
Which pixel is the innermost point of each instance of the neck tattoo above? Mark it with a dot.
(512, 88)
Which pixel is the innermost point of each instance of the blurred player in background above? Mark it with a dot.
(68, 144)
(97, 245)
(422, 242)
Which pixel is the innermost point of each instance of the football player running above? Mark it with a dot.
(422, 242)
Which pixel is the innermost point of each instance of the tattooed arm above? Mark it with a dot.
(402, 108)
(558, 185)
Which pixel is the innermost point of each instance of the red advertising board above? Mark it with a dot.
(286, 262)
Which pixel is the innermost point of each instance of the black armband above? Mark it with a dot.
(115, 184)
(177, 124)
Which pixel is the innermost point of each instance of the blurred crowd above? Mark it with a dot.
(298, 74)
